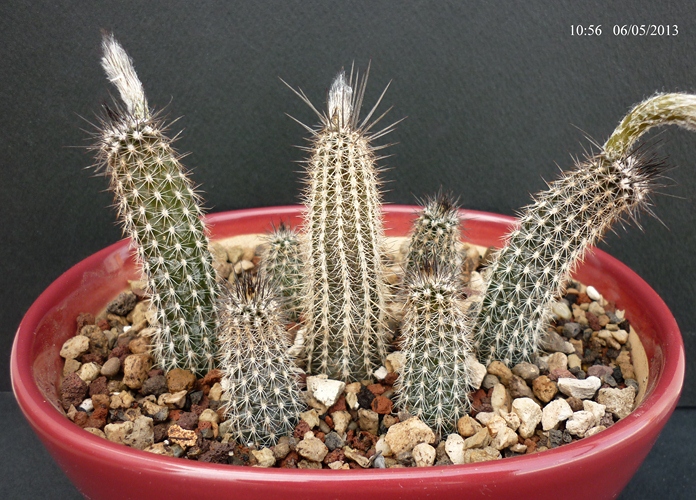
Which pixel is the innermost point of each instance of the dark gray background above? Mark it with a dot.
(497, 95)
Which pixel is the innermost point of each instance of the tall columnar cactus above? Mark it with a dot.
(283, 263)
(344, 299)
(160, 212)
(554, 232)
(436, 234)
(259, 376)
(436, 342)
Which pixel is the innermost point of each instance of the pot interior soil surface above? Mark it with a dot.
(595, 372)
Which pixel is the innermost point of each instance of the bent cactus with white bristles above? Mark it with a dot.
(436, 234)
(259, 376)
(554, 232)
(160, 212)
(344, 297)
(435, 340)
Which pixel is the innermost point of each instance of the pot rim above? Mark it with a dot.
(657, 405)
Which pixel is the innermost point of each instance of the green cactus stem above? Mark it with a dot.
(436, 343)
(160, 212)
(344, 299)
(436, 234)
(260, 378)
(555, 231)
(283, 263)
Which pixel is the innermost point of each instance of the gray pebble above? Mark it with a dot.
(490, 381)
(609, 380)
(111, 367)
(333, 441)
(571, 330)
(632, 383)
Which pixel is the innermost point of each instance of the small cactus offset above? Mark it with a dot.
(436, 234)
(160, 212)
(344, 298)
(259, 376)
(283, 263)
(435, 380)
(554, 232)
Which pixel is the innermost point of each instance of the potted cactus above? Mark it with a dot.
(330, 276)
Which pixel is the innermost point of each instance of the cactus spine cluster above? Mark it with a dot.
(259, 376)
(555, 231)
(344, 299)
(436, 234)
(160, 212)
(283, 263)
(436, 379)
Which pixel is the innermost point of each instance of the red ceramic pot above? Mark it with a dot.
(595, 467)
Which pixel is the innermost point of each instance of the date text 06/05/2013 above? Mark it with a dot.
(625, 30)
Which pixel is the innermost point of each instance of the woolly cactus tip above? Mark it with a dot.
(340, 101)
(120, 71)
(661, 109)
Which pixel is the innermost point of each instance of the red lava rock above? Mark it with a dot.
(175, 415)
(188, 420)
(103, 324)
(120, 352)
(301, 429)
(91, 357)
(84, 319)
(98, 386)
(480, 402)
(73, 391)
(558, 373)
(218, 453)
(81, 419)
(339, 405)
(593, 321)
(290, 461)
(320, 435)
(155, 372)
(98, 417)
(212, 377)
(531, 445)
(363, 441)
(382, 405)
(376, 389)
(334, 456)
(390, 378)
(353, 465)
(329, 421)
(583, 299)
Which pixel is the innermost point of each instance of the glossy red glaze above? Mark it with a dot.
(596, 467)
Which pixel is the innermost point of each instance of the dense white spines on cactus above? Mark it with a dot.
(259, 376)
(436, 341)
(555, 231)
(436, 234)
(160, 212)
(344, 297)
(283, 263)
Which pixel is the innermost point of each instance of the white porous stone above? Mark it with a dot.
(530, 415)
(382, 446)
(264, 457)
(595, 430)
(554, 413)
(596, 409)
(341, 419)
(395, 362)
(593, 294)
(618, 401)
(621, 336)
(407, 434)
(380, 373)
(89, 371)
(117, 432)
(74, 346)
(512, 420)
(580, 422)
(581, 389)
(454, 447)
(503, 436)
(500, 399)
(424, 455)
(311, 417)
(557, 361)
(325, 390)
(477, 372)
(312, 448)
(484, 416)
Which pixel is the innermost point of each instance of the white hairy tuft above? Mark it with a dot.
(120, 71)
(340, 101)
